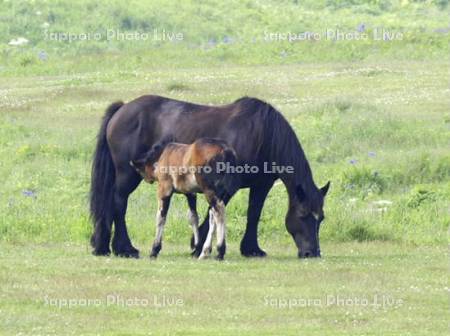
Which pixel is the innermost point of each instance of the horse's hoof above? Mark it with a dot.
(131, 253)
(257, 253)
(101, 252)
(219, 257)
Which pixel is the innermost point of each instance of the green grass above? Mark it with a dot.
(395, 134)
(238, 296)
(372, 117)
(376, 138)
(235, 32)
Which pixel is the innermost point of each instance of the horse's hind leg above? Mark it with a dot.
(219, 216)
(163, 208)
(126, 182)
(193, 217)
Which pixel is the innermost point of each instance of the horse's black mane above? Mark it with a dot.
(279, 142)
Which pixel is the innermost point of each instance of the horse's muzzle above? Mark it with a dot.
(309, 254)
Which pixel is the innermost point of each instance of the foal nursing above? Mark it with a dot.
(190, 169)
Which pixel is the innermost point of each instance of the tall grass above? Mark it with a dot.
(216, 33)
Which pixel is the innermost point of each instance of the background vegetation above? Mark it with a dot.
(372, 115)
(216, 33)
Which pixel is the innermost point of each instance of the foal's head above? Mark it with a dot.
(145, 164)
(145, 169)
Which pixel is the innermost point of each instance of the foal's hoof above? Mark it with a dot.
(219, 257)
(205, 253)
(197, 251)
(203, 256)
(154, 253)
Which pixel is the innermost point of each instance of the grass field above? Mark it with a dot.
(359, 288)
(373, 117)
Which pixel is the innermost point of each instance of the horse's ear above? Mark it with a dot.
(325, 188)
(300, 193)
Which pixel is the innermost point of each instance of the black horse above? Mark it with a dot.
(257, 132)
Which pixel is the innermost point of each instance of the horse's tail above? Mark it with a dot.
(102, 179)
(222, 177)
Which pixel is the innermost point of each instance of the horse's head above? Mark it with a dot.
(303, 220)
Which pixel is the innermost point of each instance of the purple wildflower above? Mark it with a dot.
(29, 193)
(227, 40)
(43, 55)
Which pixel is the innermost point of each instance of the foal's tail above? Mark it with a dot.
(222, 178)
(102, 178)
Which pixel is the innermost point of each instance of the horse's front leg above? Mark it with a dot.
(163, 207)
(257, 196)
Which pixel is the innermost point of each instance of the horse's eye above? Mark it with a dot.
(318, 218)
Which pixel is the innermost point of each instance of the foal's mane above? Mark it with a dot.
(279, 143)
(153, 155)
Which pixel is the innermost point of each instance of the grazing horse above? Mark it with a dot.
(257, 132)
(190, 169)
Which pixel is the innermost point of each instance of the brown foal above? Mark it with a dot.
(190, 169)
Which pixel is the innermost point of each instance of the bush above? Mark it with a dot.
(419, 195)
(362, 180)
(362, 233)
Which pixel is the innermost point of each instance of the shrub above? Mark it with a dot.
(174, 86)
(420, 195)
(362, 180)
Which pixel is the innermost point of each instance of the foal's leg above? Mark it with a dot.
(193, 216)
(164, 202)
(219, 215)
(206, 251)
(203, 230)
